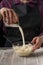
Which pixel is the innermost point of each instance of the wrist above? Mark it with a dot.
(41, 37)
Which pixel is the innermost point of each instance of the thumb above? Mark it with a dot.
(36, 43)
(34, 40)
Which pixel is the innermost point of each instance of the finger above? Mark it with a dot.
(36, 46)
(3, 13)
(4, 16)
(11, 16)
(33, 48)
(14, 20)
(34, 40)
(7, 16)
(15, 17)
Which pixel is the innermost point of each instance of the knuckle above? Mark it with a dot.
(4, 8)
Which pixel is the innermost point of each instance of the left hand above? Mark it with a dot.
(9, 15)
(37, 42)
(24, 1)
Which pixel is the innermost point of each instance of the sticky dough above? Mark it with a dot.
(23, 50)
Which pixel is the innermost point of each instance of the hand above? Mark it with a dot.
(24, 1)
(9, 16)
(37, 42)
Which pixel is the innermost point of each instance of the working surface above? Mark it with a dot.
(33, 59)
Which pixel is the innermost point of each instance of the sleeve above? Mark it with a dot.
(40, 5)
(41, 29)
(6, 3)
(0, 4)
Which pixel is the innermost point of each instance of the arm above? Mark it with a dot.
(38, 41)
(40, 5)
(8, 14)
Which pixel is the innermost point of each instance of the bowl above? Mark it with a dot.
(24, 50)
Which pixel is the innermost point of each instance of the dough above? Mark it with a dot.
(25, 50)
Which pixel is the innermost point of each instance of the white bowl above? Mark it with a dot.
(25, 50)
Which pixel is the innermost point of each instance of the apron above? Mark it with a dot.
(2, 39)
(29, 20)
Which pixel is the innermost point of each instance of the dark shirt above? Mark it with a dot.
(8, 4)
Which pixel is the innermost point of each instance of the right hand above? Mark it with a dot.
(9, 16)
(37, 42)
